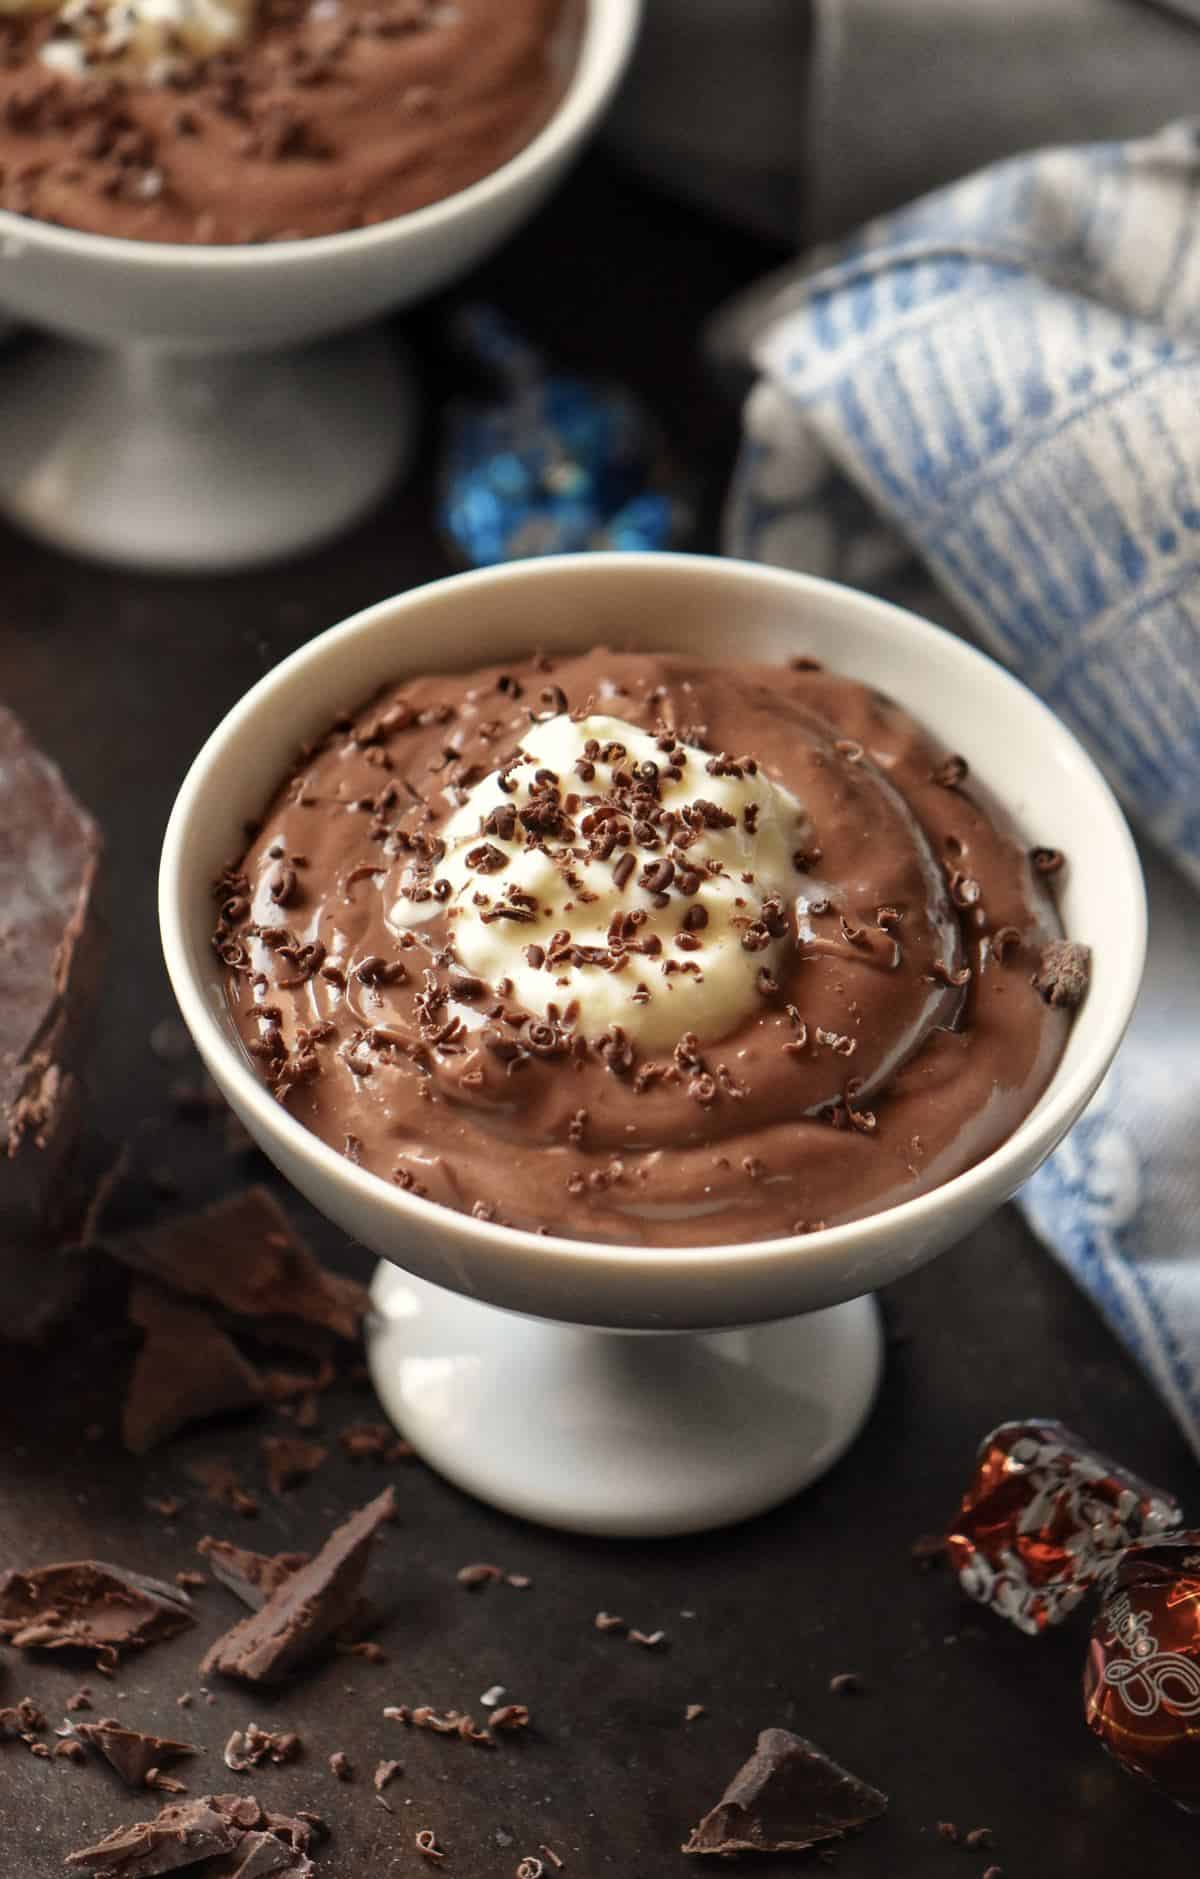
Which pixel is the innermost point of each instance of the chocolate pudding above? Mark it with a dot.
(636, 949)
(220, 121)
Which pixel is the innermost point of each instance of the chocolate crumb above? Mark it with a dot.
(950, 773)
(366, 1649)
(478, 1575)
(71, 1750)
(290, 1460)
(1047, 861)
(221, 1484)
(928, 1549)
(1063, 973)
(366, 1441)
(247, 1748)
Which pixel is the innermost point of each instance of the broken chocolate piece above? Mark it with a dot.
(261, 1854)
(1063, 973)
(252, 1577)
(787, 1797)
(309, 1607)
(131, 1753)
(290, 1460)
(244, 1255)
(188, 1368)
(51, 945)
(87, 1606)
(230, 1834)
(177, 1836)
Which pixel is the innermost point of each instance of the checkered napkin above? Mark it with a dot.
(988, 406)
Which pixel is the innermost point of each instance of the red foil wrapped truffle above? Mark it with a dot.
(1141, 1682)
(1045, 1518)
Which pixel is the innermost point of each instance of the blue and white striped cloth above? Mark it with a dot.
(988, 406)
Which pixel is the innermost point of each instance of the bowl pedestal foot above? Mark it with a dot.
(192, 462)
(620, 1433)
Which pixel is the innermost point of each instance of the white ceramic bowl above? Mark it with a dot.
(715, 609)
(153, 452)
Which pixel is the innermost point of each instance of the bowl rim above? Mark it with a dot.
(981, 1186)
(609, 30)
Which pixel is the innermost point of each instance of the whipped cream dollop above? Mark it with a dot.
(618, 879)
(147, 38)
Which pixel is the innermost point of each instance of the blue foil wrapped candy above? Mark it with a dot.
(554, 465)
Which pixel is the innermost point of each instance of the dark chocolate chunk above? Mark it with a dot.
(308, 1607)
(787, 1797)
(86, 1606)
(177, 1836)
(188, 1368)
(229, 1834)
(252, 1577)
(1063, 973)
(51, 945)
(244, 1255)
(131, 1753)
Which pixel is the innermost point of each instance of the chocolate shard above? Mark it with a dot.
(309, 1607)
(230, 1835)
(131, 1753)
(52, 945)
(261, 1854)
(187, 1369)
(180, 1835)
(787, 1797)
(85, 1605)
(1063, 973)
(243, 1255)
(50, 940)
(252, 1577)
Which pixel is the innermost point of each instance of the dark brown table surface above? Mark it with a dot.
(961, 1718)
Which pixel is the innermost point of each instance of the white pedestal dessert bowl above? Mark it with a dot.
(193, 411)
(646, 1390)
